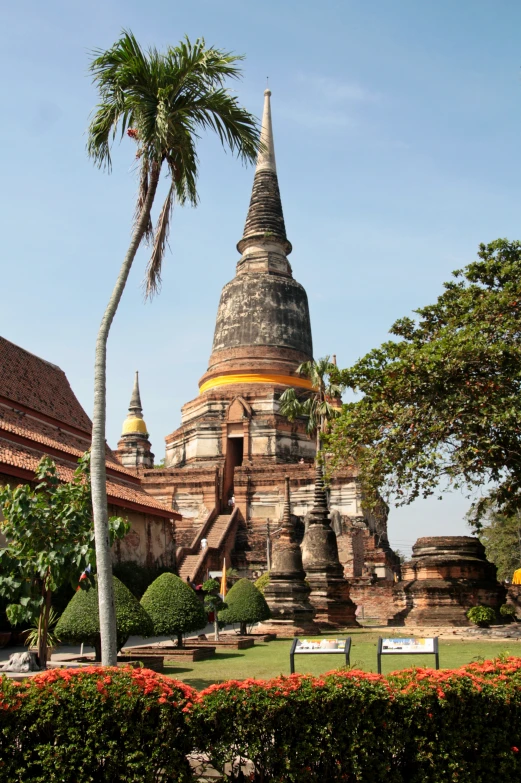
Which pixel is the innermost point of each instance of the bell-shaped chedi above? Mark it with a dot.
(134, 448)
(287, 594)
(324, 572)
(445, 577)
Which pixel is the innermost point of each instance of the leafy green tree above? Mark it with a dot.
(50, 542)
(501, 537)
(79, 624)
(442, 404)
(173, 607)
(245, 605)
(162, 101)
(319, 406)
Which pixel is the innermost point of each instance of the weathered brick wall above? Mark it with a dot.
(375, 600)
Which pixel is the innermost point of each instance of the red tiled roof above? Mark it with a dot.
(119, 491)
(40, 385)
(30, 427)
(39, 414)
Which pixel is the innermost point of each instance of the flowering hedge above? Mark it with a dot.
(94, 724)
(413, 726)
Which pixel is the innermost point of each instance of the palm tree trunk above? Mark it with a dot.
(107, 614)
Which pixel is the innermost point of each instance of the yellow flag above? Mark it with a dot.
(223, 579)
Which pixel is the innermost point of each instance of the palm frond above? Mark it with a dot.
(153, 271)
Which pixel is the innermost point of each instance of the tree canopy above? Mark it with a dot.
(320, 405)
(441, 405)
(50, 540)
(501, 537)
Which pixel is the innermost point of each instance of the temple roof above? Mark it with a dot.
(40, 415)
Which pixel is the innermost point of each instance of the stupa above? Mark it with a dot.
(287, 593)
(233, 445)
(324, 573)
(134, 447)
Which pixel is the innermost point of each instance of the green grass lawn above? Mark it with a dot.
(271, 659)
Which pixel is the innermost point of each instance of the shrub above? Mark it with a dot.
(262, 582)
(481, 615)
(94, 724)
(173, 607)
(245, 605)
(138, 577)
(508, 612)
(413, 726)
(80, 621)
(417, 726)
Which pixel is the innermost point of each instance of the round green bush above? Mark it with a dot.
(173, 607)
(508, 612)
(245, 605)
(262, 582)
(79, 624)
(481, 615)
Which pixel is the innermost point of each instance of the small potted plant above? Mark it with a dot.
(482, 616)
(31, 640)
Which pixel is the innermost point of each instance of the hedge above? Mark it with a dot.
(94, 724)
(173, 607)
(80, 621)
(413, 726)
(245, 604)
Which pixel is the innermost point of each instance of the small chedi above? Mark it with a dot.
(324, 572)
(287, 593)
(446, 576)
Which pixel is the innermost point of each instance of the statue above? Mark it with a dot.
(21, 662)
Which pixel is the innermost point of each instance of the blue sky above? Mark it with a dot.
(397, 133)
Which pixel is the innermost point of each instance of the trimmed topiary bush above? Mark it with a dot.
(246, 605)
(508, 612)
(481, 615)
(79, 624)
(262, 582)
(173, 607)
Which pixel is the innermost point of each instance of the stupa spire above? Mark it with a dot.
(264, 228)
(134, 446)
(266, 158)
(135, 406)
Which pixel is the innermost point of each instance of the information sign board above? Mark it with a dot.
(320, 647)
(425, 646)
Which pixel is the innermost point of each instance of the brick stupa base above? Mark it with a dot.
(446, 576)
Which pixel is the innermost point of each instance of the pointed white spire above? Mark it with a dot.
(266, 159)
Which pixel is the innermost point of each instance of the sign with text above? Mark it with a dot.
(407, 646)
(319, 646)
(322, 646)
(424, 646)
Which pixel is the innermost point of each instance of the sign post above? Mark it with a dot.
(322, 647)
(407, 647)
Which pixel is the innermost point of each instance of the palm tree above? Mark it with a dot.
(319, 406)
(162, 101)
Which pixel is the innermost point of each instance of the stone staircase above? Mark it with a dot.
(219, 531)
